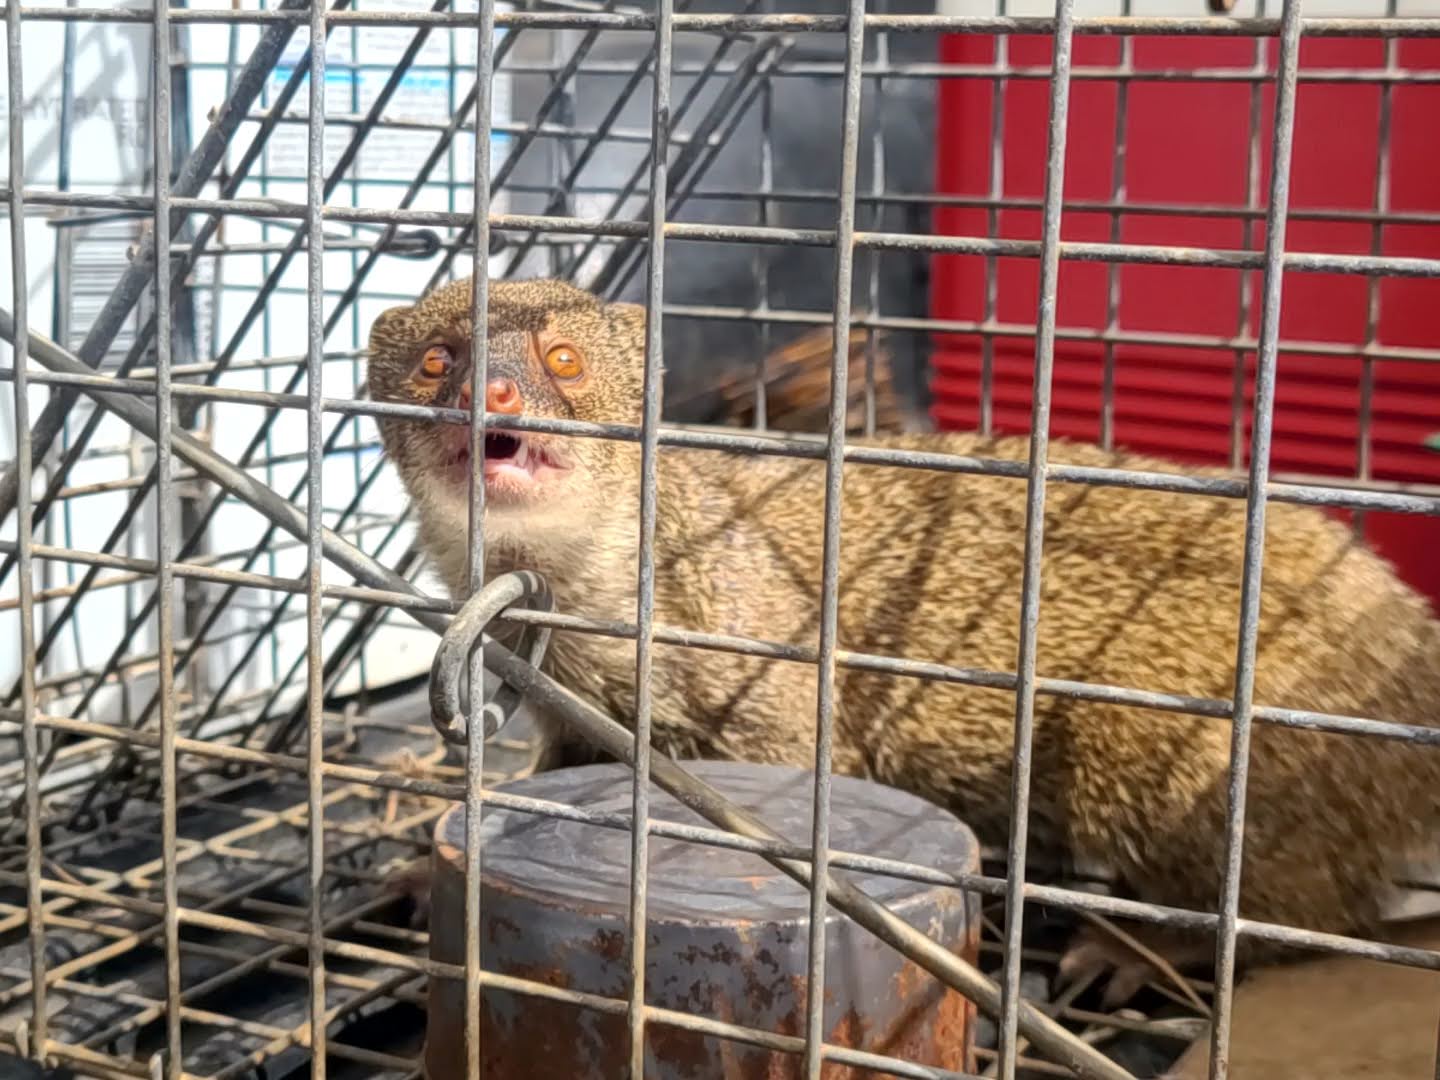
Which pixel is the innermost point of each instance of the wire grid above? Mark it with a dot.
(262, 729)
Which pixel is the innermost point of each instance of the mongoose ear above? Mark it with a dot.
(388, 326)
(634, 314)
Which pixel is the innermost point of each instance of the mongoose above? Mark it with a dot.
(1140, 588)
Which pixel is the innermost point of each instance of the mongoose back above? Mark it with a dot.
(1140, 588)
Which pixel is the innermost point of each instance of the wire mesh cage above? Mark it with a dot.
(216, 744)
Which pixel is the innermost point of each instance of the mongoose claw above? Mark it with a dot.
(412, 881)
(1090, 958)
(1135, 957)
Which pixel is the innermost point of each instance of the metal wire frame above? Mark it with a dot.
(30, 748)
(1080, 251)
(610, 736)
(586, 17)
(819, 69)
(257, 851)
(1256, 493)
(1035, 482)
(258, 868)
(270, 287)
(164, 527)
(1255, 506)
(660, 121)
(618, 739)
(315, 191)
(480, 380)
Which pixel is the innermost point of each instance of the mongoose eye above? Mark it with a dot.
(436, 362)
(564, 361)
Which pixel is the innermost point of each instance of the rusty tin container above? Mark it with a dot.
(726, 933)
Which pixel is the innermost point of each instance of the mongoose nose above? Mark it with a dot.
(502, 396)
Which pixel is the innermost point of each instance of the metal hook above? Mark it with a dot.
(465, 634)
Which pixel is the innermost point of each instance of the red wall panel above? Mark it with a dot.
(1187, 143)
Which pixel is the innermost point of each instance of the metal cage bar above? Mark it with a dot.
(38, 1033)
(659, 174)
(1364, 451)
(479, 381)
(315, 190)
(1082, 251)
(1035, 484)
(381, 592)
(1255, 504)
(1117, 199)
(173, 1065)
(830, 543)
(590, 16)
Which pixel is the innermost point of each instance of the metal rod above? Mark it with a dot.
(660, 120)
(1247, 233)
(1398, 500)
(418, 244)
(925, 325)
(37, 1035)
(763, 257)
(315, 192)
(1117, 199)
(931, 70)
(479, 382)
(1262, 428)
(992, 227)
(1081, 251)
(878, 168)
(1104, 25)
(1364, 448)
(174, 1057)
(534, 128)
(1021, 759)
(841, 291)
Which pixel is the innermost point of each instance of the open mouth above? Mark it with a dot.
(512, 463)
(503, 448)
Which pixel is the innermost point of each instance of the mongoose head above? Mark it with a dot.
(555, 351)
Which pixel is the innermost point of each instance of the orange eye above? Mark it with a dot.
(436, 363)
(564, 361)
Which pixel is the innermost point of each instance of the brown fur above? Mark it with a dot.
(1139, 589)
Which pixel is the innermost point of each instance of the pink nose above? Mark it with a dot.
(501, 396)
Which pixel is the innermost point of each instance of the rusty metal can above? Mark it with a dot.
(726, 933)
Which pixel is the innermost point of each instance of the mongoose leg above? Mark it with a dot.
(412, 882)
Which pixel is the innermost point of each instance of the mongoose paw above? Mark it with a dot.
(412, 881)
(1123, 952)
